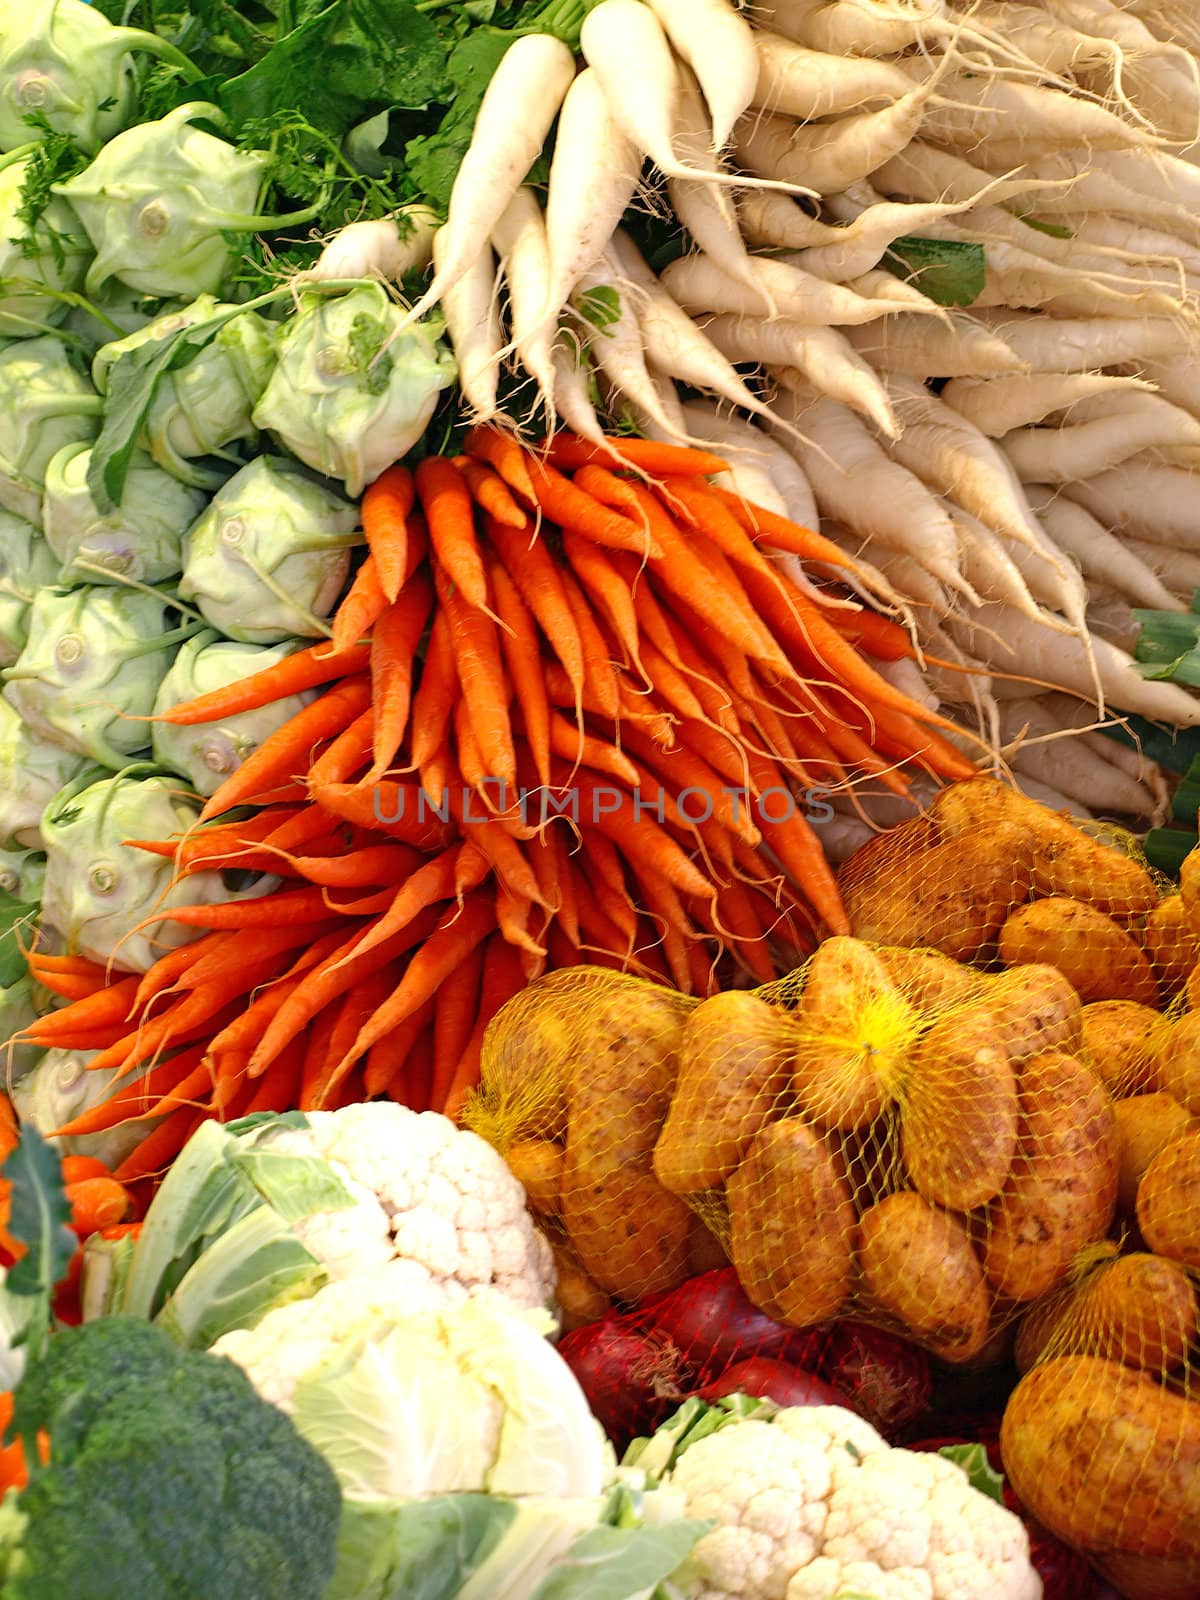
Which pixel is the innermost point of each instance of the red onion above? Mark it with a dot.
(887, 1380)
(712, 1324)
(774, 1380)
(632, 1375)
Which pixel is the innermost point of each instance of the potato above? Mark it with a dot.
(1120, 1041)
(959, 1112)
(1191, 990)
(1098, 959)
(952, 896)
(929, 980)
(1189, 890)
(852, 1037)
(734, 1061)
(918, 1264)
(629, 1233)
(1171, 945)
(1146, 1124)
(1062, 1190)
(1035, 1009)
(1106, 1458)
(537, 1164)
(1151, 1577)
(1138, 1309)
(1168, 1201)
(580, 1298)
(1177, 1064)
(1064, 860)
(791, 1225)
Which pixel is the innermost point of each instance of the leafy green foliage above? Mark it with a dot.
(950, 271)
(39, 1218)
(17, 919)
(973, 1459)
(167, 1475)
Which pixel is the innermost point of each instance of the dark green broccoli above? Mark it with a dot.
(169, 1479)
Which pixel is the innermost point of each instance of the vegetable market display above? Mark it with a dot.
(594, 626)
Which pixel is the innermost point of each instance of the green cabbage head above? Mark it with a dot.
(47, 404)
(205, 406)
(340, 400)
(159, 201)
(91, 668)
(207, 753)
(268, 558)
(141, 539)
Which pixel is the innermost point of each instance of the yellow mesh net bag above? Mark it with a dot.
(976, 1122)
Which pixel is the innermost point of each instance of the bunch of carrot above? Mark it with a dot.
(581, 670)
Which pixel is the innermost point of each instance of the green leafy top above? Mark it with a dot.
(39, 1218)
(973, 1459)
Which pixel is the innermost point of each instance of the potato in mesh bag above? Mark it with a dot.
(1171, 944)
(1146, 1125)
(919, 1266)
(1121, 1039)
(1101, 960)
(1177, 1061)
(1168, 1201)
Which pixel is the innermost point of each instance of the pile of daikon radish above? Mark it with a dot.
(1014, 475)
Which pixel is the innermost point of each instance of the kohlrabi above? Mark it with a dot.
(32, 771)
(161, 201)
(63, 62)
(17, 1012)
(47, 403)
(344, 399)
(115, 314)
(59, 1087)
(27, 564)
(199, 409)
(207, 753)
(91, 668)
(22, 874)
(38, 264)
(99, 888)
(269, 556)
(141, 539)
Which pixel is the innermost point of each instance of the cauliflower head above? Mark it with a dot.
(813, 1504)
(436, 1196)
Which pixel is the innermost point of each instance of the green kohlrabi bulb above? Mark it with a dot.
(208, 752)
(269, 556)
(27, 564)
(159, 202)
(204, 406)
(344, 399)
(36, 263)
(32, 771)
(91, 668)
(141, 539)
(46, 404)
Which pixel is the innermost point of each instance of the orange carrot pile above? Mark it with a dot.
(571, 711)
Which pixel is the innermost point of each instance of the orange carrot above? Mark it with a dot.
(595, 571)
(794, 844)
(781, 534)
(481, 674)
(576, 745)
(364, 603)
(279, 1085)
(393, 648)
(502, 978)
(412, 1080)
(113, 1004)
(454, 1015)
(661, 901)
(160, 1147)
(76, 1168)
(289, 748)
(568, 451)
(574, 505)
(316, 1063)
(602, 675)
(538, 578)
(436, 692)
(358, 869)
(97, 1203)
(404, 811)
(522, 658)
(388, 1055)
(450, 512)
(429, 884)
(307, 669)
(346, 755)
(385, 508)
(490, 492)
(502, 451)
(263, 911)
(356, 1006)
(627, 824)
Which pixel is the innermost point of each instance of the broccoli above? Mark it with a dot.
(168, 1479)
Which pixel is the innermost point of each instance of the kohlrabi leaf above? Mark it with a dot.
(39, 1218)
(950, 272)
(973, 1459)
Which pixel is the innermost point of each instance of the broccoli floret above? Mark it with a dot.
(168, 1479)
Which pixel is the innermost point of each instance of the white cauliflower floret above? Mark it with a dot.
(767, 1493)
(857, 1517)
(826, 1579)
(425, 1191)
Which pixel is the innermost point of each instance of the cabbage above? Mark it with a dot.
(269, 556)
(204, 406)
(98, 888)
(36, 264)
(32, 771)
(47, 404)
(159, 202)
(340, 400)
(66, 62)
(208, 752)
(91, 669)
(141, 539)
(27, 564)
(61, 1087)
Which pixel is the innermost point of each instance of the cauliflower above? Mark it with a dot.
(814, 1504)
(424, 1191)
